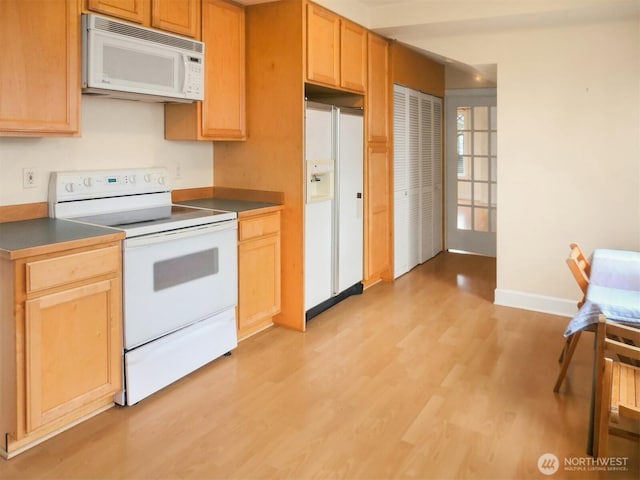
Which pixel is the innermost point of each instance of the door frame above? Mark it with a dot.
(454, 98)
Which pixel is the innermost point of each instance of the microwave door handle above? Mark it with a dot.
(185, 70)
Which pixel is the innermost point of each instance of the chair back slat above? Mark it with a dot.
(579, 266)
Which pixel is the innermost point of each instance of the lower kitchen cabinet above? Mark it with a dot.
(62, 351)
(258, 272)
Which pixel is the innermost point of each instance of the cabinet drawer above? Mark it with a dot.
(259, 226)
(53, 272)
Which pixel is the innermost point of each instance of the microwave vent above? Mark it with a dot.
(128, 30)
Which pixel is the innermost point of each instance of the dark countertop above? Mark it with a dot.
(41, 235)
(44, 235)
(241, 207)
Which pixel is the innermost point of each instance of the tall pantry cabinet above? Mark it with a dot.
(378, 211)
(417, 123)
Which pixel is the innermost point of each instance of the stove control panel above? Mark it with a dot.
(91, 184)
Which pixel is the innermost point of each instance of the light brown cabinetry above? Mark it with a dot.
(176, 16)
(39, 68)
(62, 352)
(378, 91)
(221, 115)
(378, 206)
(132, 10)
(336, 50)
(258, 272)
(378, 218)
(281, 51)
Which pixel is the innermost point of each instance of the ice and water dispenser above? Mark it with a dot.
(319, 180)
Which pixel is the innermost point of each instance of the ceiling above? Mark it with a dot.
(414, 21)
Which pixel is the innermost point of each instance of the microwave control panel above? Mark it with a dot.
(193, 77)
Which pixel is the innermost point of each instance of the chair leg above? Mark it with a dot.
(601, 413)
(565, 347)
(567, 343)
(567, 354)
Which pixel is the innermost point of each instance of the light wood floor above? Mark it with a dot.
(424, 378)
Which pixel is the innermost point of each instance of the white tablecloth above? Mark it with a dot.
(614, 290)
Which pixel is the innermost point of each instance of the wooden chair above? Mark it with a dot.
(617, 389)
(581, 269)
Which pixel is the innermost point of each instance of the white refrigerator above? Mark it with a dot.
(334, 250)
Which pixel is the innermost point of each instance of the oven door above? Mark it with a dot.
(173, 279)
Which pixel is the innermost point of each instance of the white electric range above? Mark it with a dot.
(179, 271)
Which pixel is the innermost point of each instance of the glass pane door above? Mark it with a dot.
(472, 174)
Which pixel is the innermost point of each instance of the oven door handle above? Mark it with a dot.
(180, 234)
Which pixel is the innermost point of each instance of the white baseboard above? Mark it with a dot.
(536, 303)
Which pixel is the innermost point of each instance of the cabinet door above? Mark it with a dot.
(378, 89)
(39, 68)
(73, 350)
(223, 108)
(176, 16)
(132, 10)
(259, 277)
(353, 56)
(323, 46)
(378, 213)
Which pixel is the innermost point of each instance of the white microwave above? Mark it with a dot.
(122, 60)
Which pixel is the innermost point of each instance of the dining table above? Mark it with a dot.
(614, 291)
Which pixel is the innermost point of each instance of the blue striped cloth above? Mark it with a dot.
(614, 290)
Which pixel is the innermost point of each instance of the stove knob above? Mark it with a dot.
(161, 180)
(68, 187)
(132, 179)
(147, 178)
(88, 181)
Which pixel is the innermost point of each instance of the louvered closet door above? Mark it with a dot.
(430, 176)
(400, 182)
(426, 178)
(414, 192)
(418, 178)
(438, 225)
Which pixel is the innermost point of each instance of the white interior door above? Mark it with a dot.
(472, 171)
(437, 176)
(417, 178)
(400, 182)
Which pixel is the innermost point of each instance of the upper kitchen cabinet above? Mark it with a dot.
(378, 89)
(336, 50)
(221, 115)
(176, 16)
(39, 68)
(132, 10)
(181, 17)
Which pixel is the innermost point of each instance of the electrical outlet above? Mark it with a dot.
(29, 178)
(178, 171)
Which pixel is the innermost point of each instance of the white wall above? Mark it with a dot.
(115, 134)
(568, 149)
